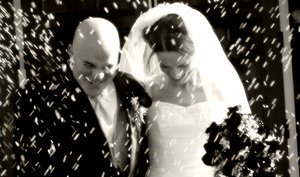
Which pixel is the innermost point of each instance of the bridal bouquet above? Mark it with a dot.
(242, 146)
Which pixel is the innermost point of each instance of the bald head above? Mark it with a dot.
(95, 34)
(94, 54)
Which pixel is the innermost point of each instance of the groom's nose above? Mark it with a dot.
(98, 76)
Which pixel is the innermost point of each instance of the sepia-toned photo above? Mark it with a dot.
(149, 88)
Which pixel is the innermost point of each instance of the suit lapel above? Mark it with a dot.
(134, 136)
(86, 116)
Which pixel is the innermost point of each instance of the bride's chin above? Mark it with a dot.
(187, 77)
(183, 81)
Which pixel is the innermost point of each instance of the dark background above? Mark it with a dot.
(248, 30)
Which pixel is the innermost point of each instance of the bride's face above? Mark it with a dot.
(177, 66)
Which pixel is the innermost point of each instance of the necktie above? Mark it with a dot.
(113, 126)
(106, 119)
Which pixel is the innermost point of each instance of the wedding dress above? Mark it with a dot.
(176, 134)
(176, 138)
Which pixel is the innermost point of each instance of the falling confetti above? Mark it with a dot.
(245, 50)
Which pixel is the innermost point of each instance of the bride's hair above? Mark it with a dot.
(169, 34)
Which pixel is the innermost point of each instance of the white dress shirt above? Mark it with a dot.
(112, 123)
(107, 109)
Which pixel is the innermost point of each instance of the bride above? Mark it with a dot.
(173, 50)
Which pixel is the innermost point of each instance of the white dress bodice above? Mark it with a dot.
(176, 137)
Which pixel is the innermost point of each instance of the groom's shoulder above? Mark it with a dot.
(131, 87)
(129, 80)
(125, 76)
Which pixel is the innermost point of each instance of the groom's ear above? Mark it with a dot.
(70, 50)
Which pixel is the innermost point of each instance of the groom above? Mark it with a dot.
(86, 119)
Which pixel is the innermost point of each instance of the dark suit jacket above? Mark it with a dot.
(57, 132)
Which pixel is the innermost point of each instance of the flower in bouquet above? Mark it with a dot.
(137, 112)
(242, 146)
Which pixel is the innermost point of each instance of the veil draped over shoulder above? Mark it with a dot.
(220, 80)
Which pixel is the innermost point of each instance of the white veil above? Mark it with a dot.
(219, 78)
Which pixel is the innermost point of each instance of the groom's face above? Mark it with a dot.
(95, 54)
(94, 68)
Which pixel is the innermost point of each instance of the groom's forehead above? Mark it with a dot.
(96, 54)
(105, 61)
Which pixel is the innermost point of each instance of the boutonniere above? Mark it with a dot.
(137, 112)
(243, 146)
